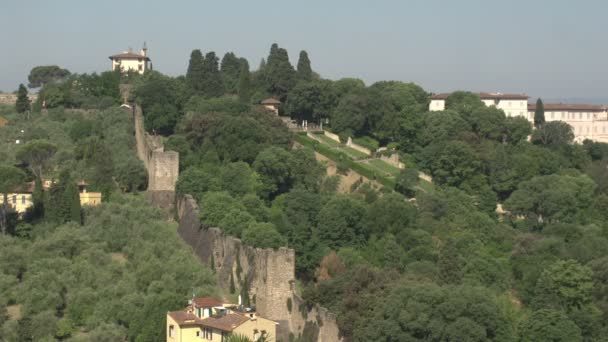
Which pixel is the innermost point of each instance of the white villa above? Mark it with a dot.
(130, 61)
(511, 104)
(587, 121)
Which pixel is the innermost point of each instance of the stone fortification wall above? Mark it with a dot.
(162, 166)
(269, 276)
(11, 99)
(393, 159)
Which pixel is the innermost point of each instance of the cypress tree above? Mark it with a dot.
(212, 85)
(279, 75)
(38, 200)
(230, 69)
(539, 114)
(232, 287)
(304, 72)
(104, 169)
(194, 75)
(262, 64)
(244, 82)
(23, 102)
(71, 200)
(58, 209)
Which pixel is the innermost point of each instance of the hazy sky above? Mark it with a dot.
(547, 48)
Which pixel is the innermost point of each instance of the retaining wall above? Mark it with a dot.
(359, 148)
(331, 136)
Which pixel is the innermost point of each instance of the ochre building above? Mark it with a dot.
(207, 319)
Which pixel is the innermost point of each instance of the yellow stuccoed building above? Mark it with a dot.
(21, 197)
(207, 319)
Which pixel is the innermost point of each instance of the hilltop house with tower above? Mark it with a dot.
(131, 61)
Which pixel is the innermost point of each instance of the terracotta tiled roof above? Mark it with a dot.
(129, 55)
(206, 302)
(569, 107)
(271, 101)
(185, 318)
(486, 96)
(27, 188)
(225, 323)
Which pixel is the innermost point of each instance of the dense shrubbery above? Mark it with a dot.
(114, 277)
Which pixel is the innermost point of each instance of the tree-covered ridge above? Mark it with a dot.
(95, 146)
(107, 273)
(414, 260)
(440, 264)
(113, 278)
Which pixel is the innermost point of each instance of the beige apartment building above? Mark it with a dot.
(587, 121)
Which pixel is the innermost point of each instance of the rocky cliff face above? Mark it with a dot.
(267, 275)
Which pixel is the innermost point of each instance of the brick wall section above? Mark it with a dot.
(270, 273)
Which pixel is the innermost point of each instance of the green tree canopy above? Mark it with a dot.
(311, 100)
(263, 235)
(244, 85)
(549, 326)
(230, 69)
(552, 198)
(212, 84)
(36, 155)
(195, 73)
(565, 284)
(10, 177)
(45, 74)
(553, 134)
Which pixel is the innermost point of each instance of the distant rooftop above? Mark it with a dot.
(271, 101)
(129, 55)
(569, 107)
(486, 96)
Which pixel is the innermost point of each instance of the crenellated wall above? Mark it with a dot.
(269, 275)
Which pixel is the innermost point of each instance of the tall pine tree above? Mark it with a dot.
(244, 82)
(212, 85)
(539, 114)
(195, 73)
(23, 102)
(304, 70)
(230, 69)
